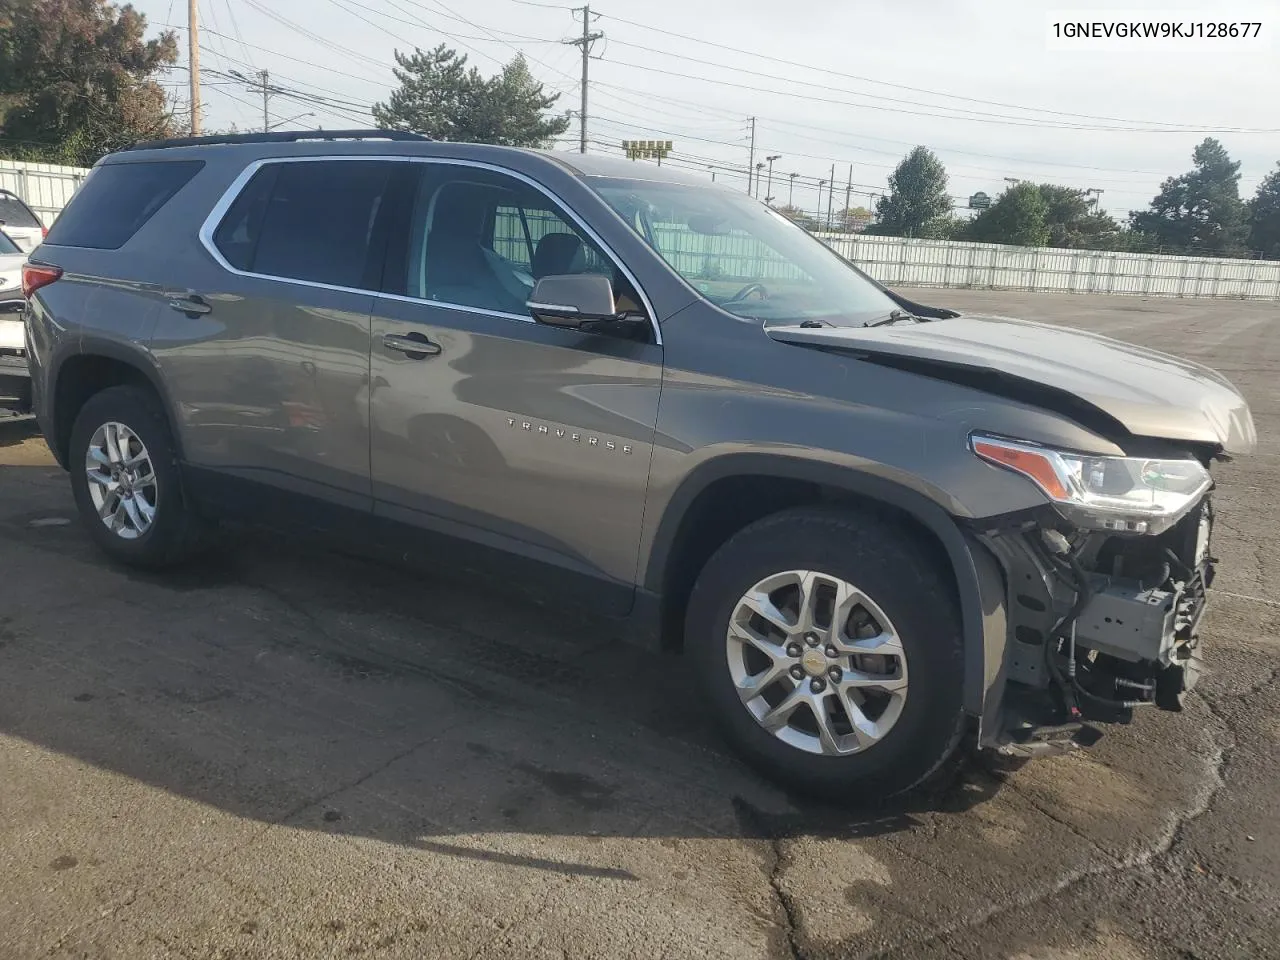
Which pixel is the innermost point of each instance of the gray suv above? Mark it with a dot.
(872, 528)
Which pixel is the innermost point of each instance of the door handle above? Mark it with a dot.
(192, 304)
(413, 345)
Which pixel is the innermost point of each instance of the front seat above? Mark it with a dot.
(561, 253)
(557, 254)
(456, 268)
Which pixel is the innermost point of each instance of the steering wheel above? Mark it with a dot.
(749, 289)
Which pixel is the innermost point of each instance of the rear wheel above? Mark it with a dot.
(124, 474)
(829, 645)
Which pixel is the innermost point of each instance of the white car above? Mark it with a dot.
(20, 222)
(15, 382)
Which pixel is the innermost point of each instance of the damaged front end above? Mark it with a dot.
(1105, 593)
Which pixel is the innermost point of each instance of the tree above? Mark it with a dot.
(76, 79)
(1020, 216)
(797, 216)
(1264, 217)
(917, 204)
(1045, 214)
(853, 219)
(1199, 212)
(1073, 224)
(440, 97)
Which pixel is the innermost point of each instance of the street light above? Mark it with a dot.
(769, 189)
(759, 167)
(791, 193)
(821, 184)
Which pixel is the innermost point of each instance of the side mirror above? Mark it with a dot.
(570, 300)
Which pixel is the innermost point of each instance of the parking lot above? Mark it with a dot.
(289, 753)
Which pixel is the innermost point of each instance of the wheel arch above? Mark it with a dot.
(92, 367)
(693, 526)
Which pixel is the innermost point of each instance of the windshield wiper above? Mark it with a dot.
(895, 316)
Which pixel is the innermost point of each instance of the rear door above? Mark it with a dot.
(526, 438)
(268, 362)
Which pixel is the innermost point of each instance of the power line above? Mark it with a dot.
(329, 44)
(284, 56)
(235, 27)
(885, 83)
(941, 116)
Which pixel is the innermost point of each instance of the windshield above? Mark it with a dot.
(743, 256)
(7, 245)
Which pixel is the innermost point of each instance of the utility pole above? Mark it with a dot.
(262, 84)
(768, 191)
(818, 213)
(759, 174)
(193, 62)
(585, 42)
(829, 193)
(751, 163)
(791, 193)
(1093, 195)
(848, 191)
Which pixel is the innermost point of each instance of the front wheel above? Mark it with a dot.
(829, 647)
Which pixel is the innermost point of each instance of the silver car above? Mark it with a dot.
(20, 222)
(15, 381)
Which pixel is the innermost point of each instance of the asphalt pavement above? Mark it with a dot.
(285, 752)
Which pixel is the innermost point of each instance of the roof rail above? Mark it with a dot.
(282, 136)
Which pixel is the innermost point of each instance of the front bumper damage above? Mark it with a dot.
(1104, 626)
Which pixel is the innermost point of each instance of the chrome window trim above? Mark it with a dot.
(230, 195)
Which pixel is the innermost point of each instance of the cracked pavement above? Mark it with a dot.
(285, 752)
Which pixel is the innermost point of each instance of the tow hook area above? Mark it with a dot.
(1099, 626)
(1034, 727)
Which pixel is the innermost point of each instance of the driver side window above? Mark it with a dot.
(483, 239)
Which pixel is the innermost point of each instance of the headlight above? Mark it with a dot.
(1124, 494)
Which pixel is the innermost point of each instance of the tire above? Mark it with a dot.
(906, 584)
(175, 533)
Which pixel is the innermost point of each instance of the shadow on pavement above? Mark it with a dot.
(283, 683)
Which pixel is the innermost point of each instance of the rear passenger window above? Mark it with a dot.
(306, 221)
(15, 213)
(116, 199)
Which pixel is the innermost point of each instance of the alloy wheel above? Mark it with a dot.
(122, 480)
(816, 662)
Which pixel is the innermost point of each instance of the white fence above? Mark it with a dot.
(895, 261)
(899, 262)
(46, 187)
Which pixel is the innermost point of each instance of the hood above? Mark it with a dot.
(1148, 393)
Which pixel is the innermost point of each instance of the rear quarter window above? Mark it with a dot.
(117, 199)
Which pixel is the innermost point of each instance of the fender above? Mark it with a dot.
(129, 354)
(978, 577)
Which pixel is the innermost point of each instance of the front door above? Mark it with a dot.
(531, 440)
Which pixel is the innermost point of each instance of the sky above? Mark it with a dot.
(850, 83)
